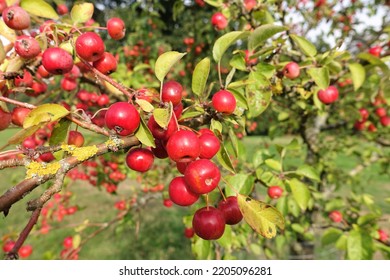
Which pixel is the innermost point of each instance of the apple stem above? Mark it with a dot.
(220, 75)
(221, 192)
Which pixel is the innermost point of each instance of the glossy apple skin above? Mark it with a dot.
(380, 112)
(57, 61)
(364, 114)
(209, 223)
(90, 46)
(383, 236)
(209, 145)
(159, 132)
(140, 159)
(5, 119)
(219, 21)
(230, 210)
(183, 146)
(75, 138)
(116, 28)
(202, 176)
(336, 216)
(27, 47)
(375, 51)
(107, 64)
(19, 114)
(224, 101)
(180, 194)
(385, 120)
(16, 18)
(329, 95)
(172, 92)
(25, 251)
(123, 118)
(291, 70)
(275, 192)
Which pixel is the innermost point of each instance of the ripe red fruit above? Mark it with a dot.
(120, 205)
(16, 18)
(68, 84)
(189, 232)
(139, 159)
(275, 192)
(219, 21)
(25, 251)
(167, 202)
(172, 91)
(5, 119)
(180, 194)
(209, 145)
(375, 51)
(116, 28)
(291, 70)
(25, 81)
(224, 102)
(75, 138)
(68, 242)
(90, 46)
(385, 120)
(62, 9)
(248, 60)
(57, 61)
(19, 114)
(160, 133)
(106, 64)
(383, 236)
(208, 223)
(7, 247)
(123, 118)
(159, 151)
(230, 210)
(202, 176)
(181, 166)
(27, 47)
(103, 100)
(363, 114)
(47, 157)
(74, 73)
(381, 112)
(249, 4)
(336, 216)
(183, 146)
(329, 95)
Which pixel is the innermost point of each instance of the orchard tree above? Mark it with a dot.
(168, 92)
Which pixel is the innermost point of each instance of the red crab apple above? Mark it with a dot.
(19, 114)
(106, 64)
(180, 194)
(329, 95)
(116, 28)
(363, 114)
(68, 242)
(24, 81)
(160, 151)
(167, 203)
(380, 112)
(123, 118)
(62, 9)
(90, 46)
(159, 132)
(375, 51)
(275, 192)
(183, 146)
(224, 102)
(27, 47)
(25, 251)
(75, 138)
(248, 59)
(208, 223)
(7, 247)
(250, 4)
(383, 236)
(5, 119)
(209, 145)
(219, 21)
(140, 159)
(57, 61)
(385, 120)
(172, 91)
(202, 176)
(230, 210)
(291, 70)
(16, 18)
(189, 232)
(336, 216)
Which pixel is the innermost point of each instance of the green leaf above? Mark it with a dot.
(162, 116)
(39, 8)
(191, 114)
(320, 76)
(300, 192)
(224, 159)
(262, 33)
(200, 75)
(60, 131)
(82, 12)
(201, 248)
(274, 164)
(7, 32)
(330, 236)
(281, 205)
(239, 183)
(297, 228)
(225, 41)
(216, 126)
(359, 245)
(23, 134)
(144, 135)
(367, 219)
(165, 62)
(234, 140)
(309, 172)
(263, 218)
(44, 114)
(358, 74)
(258, 94)
(2, 52)
(145, 105)
(306, 47)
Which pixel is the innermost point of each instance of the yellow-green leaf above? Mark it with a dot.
(225, 41)
(263, 218)
(200, 75)
(145, 105)
(358, 74)
(162, 116)
(23, 134)
(274, 164)
(306, 47)
(165, 62)
(60, 131)
(7, 32)
(224, 159)
(39, 8)
(320, 76)
(82, 12)
(2, 52)
(44, 114)
(300, 192)
(144, 135)
(262, 33)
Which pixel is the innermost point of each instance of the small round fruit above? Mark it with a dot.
(383, 236)
(329, 95)
(75, 138)
(123, 118)
(90, 46)
(25, 81)
(180, 194)
(375, 51)
(230, 210)
(7, 247)
(16, 18)
(385, 120)
(62, 9)
(172, 91)
(202, 176)
(159, 151)
(219, 21)
(364, 114)
(380, 112)
(159, 132)
(209, 145)
(167, 203)
(5, 119)
(336, 216)
(116, 28)
(224, 102)
(27, 47)
(275, 192)
(291, 70)
(140, 159)
(68, 242)
(19, 114)
(25, 251)
(57, 61)
(209, 223)
(183, 146)
(107, 64)
(189, 232)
